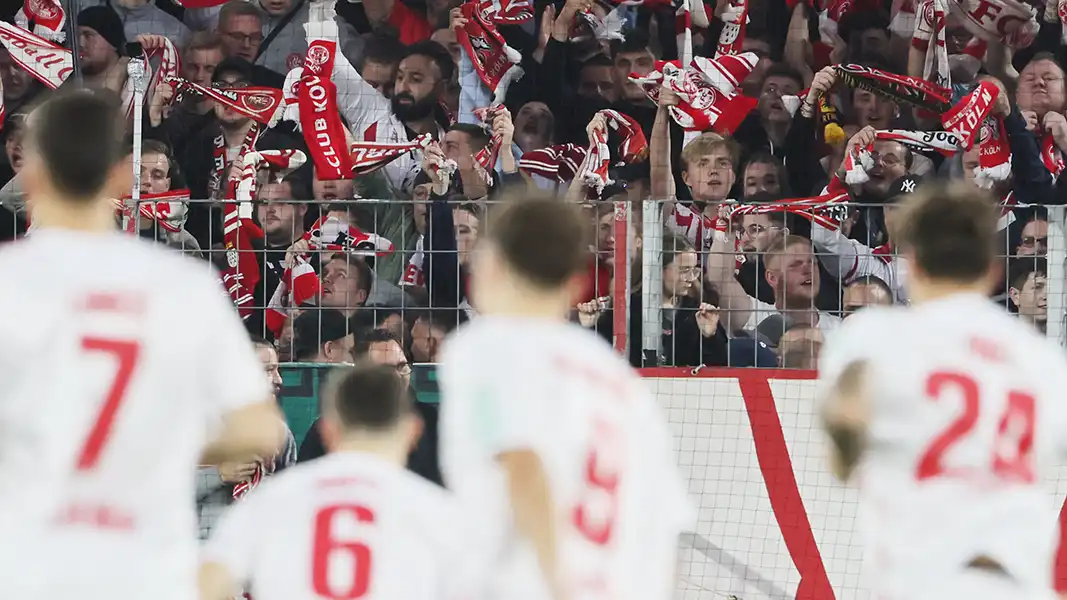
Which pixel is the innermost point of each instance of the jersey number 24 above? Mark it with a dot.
(1012, 457)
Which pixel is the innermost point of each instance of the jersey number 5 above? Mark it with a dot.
(595, 515)
(126, 353)
(1013, 448)
(333, 555)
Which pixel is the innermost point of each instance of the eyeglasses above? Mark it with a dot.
(230, 85)
(886, 160)
(254, 39)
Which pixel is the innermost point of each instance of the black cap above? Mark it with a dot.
(903, 186)
(106, 22)
(234, 64)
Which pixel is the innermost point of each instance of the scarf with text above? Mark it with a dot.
(320, 120)
(859, 160)
(732, 37)
(827, 210)
(970, 120)
(1009, 22)
(368, 157)
(496, 63)
(170, 66)
(559, 163)
(217, 178)
(238, 230)
(169, 210)
(913, 91)
(47, 16)
(261, 104)
(46, 61)
(633, 148)
(929, 38)
(707, 90)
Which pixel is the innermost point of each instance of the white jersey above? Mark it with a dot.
(559, 390)
(348, 525)
(118, 357)
(967, 420)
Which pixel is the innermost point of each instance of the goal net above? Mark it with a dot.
(773, 523)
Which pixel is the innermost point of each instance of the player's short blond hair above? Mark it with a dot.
(708, 143)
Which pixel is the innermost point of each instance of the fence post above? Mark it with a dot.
(651, 282)
(1057, 275)
(137, 71)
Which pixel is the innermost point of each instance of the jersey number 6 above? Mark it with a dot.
(126, 353)
(328, 552)
(1013, 448)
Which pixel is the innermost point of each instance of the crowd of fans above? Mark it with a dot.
(776, 157)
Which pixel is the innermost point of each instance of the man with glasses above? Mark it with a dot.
(382, 347)
(240, 29)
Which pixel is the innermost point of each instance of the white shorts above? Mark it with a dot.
(977, 584)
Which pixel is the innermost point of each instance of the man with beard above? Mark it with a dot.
(215, 486)
(414, 109)
(101, 44)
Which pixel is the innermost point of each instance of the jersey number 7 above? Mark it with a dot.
(126, 353)
(1013, 449)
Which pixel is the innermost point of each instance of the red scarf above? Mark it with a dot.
(495, 62)
(238, 228)
(168, 209)
(486, 157)
(735, 19)
(243, 487)
(1051, 155)
(858, 160)
(825, 210)
(47, 16)
(1010, 22)
(217, 180)
(908, 90)
(965, 118)
(368, 157)
(47, 62)
(261, 104)
(632, 148)
(320, 120)
(929, 38)
(559, 163)
(708, 91)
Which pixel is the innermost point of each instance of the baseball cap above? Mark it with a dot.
(902, 186)
(316, 327)
(748, 352)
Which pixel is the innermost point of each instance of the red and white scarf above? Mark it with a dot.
(590, 25)
(1050, 155)
(633, 147)
(367, 157)
(735, 20)
(858, 160)
(300, 284)
(496, 63)
(486, 157)
(1009, 22)
(1057, 9)
(826, 210)
(47, 16)
(170, 67)
(49, 63)
(559, 163)
(970, 120)
(261, 104)
(320, 120)
(168, 209)
(242, 488)
(929, 38)
(242, 273)
(708, 91)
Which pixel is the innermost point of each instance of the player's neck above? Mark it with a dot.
(97, 216)
(932, 291)
(388, 448)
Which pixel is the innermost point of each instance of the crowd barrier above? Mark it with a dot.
(773, 523)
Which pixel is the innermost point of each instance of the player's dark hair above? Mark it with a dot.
(951, 229)
(78, 137)
(543, 239)
(435, 52)
(367, 396)
(374, 336)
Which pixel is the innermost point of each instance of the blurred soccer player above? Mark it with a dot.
(352, 524)
(949, 414)
(117, 357)
(548, 435)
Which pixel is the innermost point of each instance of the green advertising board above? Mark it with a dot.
(301, 383)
